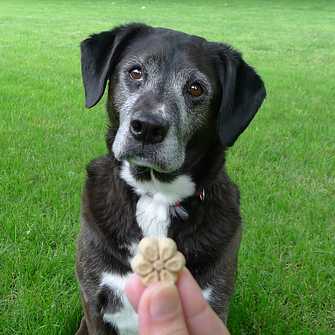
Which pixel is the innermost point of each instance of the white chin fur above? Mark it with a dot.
(180, 188)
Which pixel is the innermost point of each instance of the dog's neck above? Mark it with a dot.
(200, 169)
(205, 167)
(180, 188)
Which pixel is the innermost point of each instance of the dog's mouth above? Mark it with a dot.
(148, 164)
(163, 160)
(144, 170)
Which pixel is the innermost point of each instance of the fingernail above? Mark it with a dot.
(164, 302)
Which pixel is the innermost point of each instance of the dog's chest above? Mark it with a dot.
(155, 200)
(153, 217)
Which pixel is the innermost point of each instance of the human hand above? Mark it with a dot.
(166, 309)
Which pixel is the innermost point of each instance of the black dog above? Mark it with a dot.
(175, 103)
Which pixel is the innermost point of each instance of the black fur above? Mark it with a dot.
(210, 237)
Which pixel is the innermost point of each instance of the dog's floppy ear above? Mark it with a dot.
(243, 92)
(99, 54)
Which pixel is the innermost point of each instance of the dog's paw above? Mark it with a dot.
(158, 260)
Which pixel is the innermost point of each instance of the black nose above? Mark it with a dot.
(148, 130)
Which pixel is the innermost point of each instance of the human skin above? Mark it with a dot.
(167, 309)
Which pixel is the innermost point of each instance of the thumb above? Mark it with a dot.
(160, 311)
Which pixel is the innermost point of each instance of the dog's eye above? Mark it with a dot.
(195, 90)
(136, 73)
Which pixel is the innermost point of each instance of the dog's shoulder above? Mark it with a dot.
(102, 167)
(106, 196)
(103, 177)
(230, 189)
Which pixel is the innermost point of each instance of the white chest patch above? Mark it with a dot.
(156, 197)
(153, 217)
(126, 318)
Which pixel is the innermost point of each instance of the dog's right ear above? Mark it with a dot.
(243, 92)
(99, 55)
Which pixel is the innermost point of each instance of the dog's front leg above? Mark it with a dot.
(93, 323)
(83, 330)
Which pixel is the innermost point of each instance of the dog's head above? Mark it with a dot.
(172, 92)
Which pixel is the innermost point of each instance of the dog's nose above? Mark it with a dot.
(149, 130)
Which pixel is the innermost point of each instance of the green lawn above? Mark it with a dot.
(284, 163)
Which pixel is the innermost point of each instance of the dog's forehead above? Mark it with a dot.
(178, 50)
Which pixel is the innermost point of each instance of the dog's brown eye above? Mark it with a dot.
(195, 90)
(136, 73)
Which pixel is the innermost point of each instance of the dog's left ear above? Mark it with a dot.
(99, 55)
(242, 95)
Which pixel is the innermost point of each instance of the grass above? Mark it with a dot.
(284, 163)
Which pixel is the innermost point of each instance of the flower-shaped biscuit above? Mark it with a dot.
(158, 260)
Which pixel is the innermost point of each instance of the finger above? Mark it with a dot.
(134, 290)
(199, 316)
(160, 311)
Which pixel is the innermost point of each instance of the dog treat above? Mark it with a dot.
(158, 260)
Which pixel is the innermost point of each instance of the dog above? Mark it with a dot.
(175, 103)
